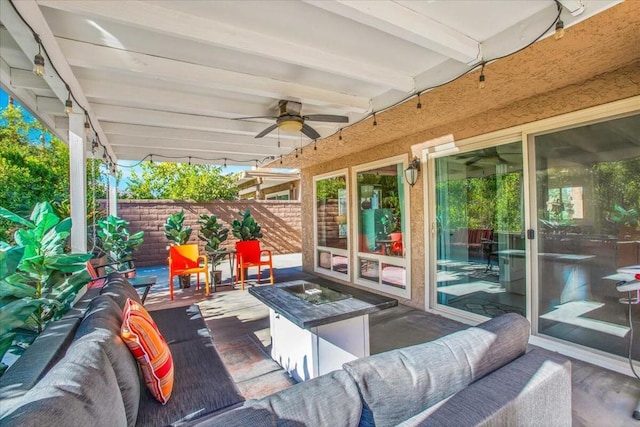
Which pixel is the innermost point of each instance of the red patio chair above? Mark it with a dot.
(185, 259)
(249, 254)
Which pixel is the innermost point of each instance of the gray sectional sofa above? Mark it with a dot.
(479, 376)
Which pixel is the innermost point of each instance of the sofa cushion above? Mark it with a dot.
(119, 288)
(328, 400)
(102, 324)
(434, 371)
(532, 388)
(202, 385)
(80, 389)
(148, 346)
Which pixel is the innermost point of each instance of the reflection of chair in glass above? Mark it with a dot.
(185, 260)
(396, 244)
(249, 254)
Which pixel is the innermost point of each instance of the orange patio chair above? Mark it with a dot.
(249, 254)
(185, 259)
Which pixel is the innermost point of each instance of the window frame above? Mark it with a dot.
(404, 262)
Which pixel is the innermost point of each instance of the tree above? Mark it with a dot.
(179, 181)
(34, 167)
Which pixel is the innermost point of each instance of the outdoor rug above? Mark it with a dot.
(484, 307)
(251, 367)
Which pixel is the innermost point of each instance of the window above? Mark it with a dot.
(281, 195)
(332, 225)
(380, 204)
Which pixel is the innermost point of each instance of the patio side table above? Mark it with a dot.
(145, 282)
(231, 256)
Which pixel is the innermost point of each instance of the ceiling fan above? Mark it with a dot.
(290, 119)
(490, 155)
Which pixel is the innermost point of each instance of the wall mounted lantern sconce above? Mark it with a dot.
(411, 173)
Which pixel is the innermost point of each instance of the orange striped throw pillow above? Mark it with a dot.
(149, 348)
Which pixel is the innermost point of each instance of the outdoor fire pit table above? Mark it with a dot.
(317, 325)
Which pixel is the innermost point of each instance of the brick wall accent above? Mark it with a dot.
(279, 220)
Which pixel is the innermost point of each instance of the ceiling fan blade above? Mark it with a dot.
(473, 160)
(255, 117)
(327, 118)
(309, 131)
(266, 131)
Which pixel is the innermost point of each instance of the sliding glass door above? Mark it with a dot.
(480, 238)
(588, 204)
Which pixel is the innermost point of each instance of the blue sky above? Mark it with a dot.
(126, 169)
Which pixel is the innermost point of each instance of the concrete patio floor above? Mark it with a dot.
(240, 327)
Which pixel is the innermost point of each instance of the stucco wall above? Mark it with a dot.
(279, 220)
(552, 81)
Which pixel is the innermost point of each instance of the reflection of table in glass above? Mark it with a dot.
(386, 244)
(317, 326)
(221, 254)
(143, 282)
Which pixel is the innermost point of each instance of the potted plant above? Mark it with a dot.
(178, 234)
(115, 241)
(38, 278)
(246, 228)
(213, 234)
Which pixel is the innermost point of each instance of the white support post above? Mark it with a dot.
(78, 183)
(113, 195)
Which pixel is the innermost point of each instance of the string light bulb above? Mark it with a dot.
(296, 153)
(419, 106)
(314, 146)
(281, 159)
(481, 79)
(87, 126)
(559, 29)
(340, 135)
(68, 104)
(38, 60)
(375, 122)
(151, 158)
(225, 162)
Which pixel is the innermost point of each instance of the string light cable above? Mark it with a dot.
(557, 23)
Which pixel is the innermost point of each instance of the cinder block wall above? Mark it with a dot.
(280, 222)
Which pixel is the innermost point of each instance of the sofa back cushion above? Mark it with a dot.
(328, 400)
(401, 383)
(102, 324)
(119, 288)
(80, 389)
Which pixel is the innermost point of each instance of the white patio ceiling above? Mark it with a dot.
(168, 78)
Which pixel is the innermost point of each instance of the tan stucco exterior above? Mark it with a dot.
(597, 62)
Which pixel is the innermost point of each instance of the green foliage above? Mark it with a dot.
(34, 166)
(626, 217)
(174, 229)
(179, 181)
(327, 189)
(246, 228)
(213, 233)
(114, 239)
(38, 280)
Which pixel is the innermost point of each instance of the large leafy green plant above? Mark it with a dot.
(213, 233)
(114, 239)
(246, 228)
(175, 230)
(38, 279)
